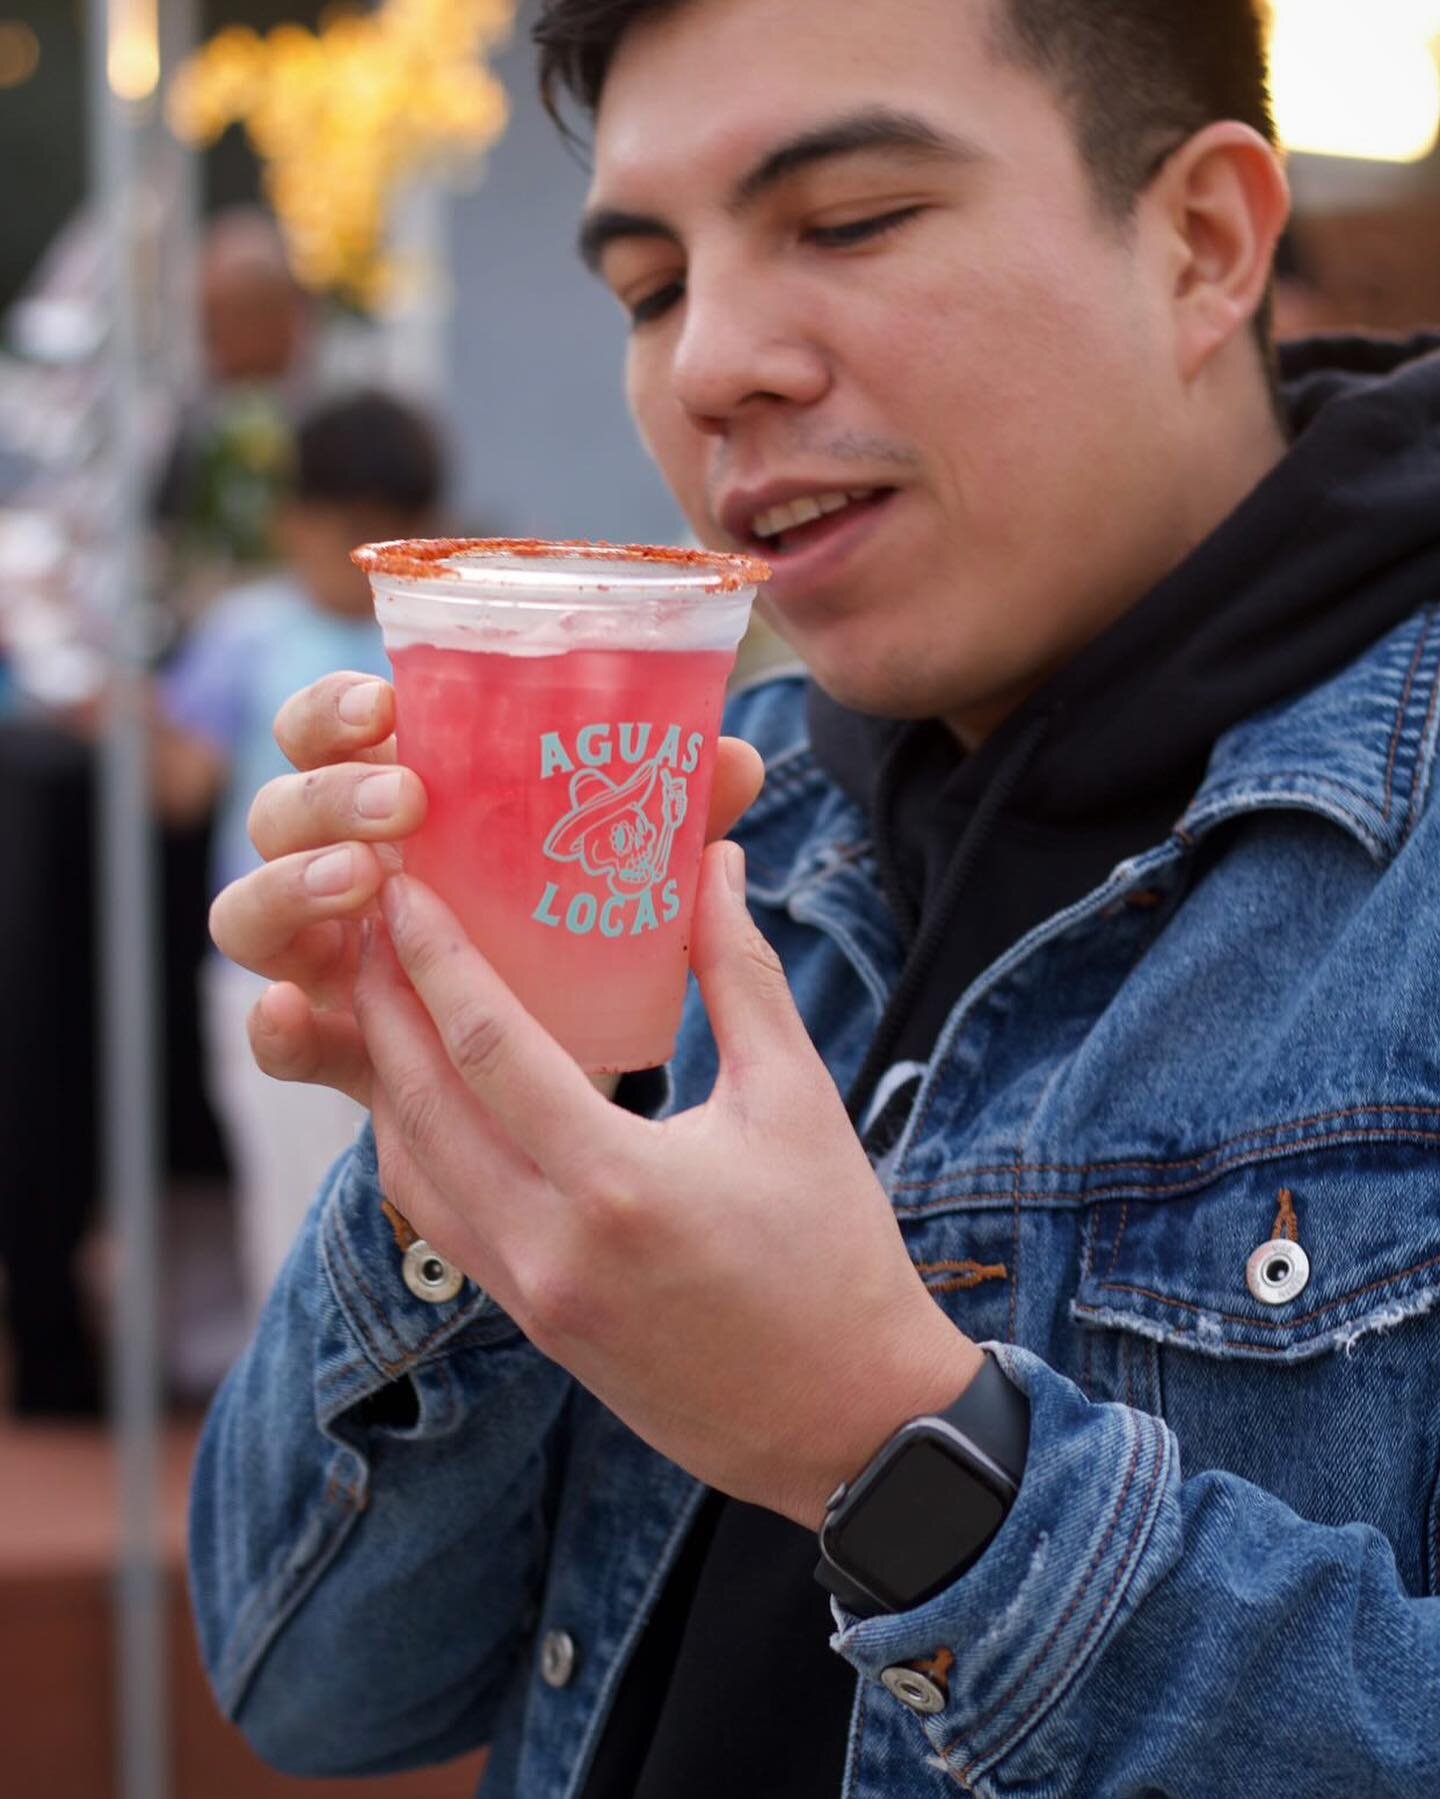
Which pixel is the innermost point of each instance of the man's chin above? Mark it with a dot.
(880, 685)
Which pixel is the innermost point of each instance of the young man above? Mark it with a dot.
(1097, 871)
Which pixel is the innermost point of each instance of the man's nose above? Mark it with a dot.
(743, 343)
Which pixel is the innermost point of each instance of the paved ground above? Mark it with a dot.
(58, 1537)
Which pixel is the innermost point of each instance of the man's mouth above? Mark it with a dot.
(794, 525)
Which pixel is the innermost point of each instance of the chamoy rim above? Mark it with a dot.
(520, 561)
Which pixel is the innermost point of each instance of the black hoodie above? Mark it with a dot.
(733, 1687)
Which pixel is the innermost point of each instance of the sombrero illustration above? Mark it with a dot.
(608, 829)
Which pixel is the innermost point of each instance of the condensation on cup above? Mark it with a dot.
(561, 703)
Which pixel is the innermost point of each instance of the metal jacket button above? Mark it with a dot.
(916, 1690)
(557, 1658)
(1277, 1272)
(428, 1275)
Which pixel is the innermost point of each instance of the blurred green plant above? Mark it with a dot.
(241, 468)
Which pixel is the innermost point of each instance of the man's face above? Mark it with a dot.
(862, 258)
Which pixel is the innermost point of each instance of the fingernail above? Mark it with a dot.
(263, 1021)
(378, 795)
(367, 938)
(331, 873)
(357, 704)
(735, 868)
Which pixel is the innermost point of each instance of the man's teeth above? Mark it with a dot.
(803, 511)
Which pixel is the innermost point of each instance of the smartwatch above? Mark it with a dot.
(928, 1504)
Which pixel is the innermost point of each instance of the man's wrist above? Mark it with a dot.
(942, 1367)
(929, 1503)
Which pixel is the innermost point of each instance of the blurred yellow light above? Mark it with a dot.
(344, 116)
(19, 53)
(1357, 82)
(134, 59)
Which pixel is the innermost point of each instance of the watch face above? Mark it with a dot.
(916, 1526)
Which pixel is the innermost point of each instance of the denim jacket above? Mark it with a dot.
(1221, 1577)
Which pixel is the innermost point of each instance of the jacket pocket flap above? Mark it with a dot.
(1281, 1258)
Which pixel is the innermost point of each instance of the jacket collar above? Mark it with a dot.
(1359, 749)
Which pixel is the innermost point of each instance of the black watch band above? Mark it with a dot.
(929, 1502)
(995, 1415)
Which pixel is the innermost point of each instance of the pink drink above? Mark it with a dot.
(566, 830)
(561, 704)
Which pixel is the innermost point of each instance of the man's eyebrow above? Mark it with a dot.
(599, 229)
(873, 128)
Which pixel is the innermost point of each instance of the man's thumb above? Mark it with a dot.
(747, 997)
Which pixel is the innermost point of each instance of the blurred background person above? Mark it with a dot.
(48, 1011)
(366, 467)
(1301, 305)
(221, 482)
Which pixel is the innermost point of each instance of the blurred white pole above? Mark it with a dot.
(179, 263)
(121, 65)
(416, 324)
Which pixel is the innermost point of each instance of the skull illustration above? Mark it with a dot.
(609, 829)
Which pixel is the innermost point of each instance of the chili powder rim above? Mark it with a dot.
(429, 559)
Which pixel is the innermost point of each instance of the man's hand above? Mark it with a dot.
(328, 835)
(731, 1282)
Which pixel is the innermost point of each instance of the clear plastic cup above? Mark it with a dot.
(561, 703)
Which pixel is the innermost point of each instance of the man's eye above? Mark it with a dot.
(860, 231)
(654, 305)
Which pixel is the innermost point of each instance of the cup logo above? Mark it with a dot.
(620, 827)
(611, 828)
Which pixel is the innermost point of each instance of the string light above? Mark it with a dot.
(1357, 82)
(343, 116)
(19, 53)
(133, 63)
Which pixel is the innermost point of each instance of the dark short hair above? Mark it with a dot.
(368, 449)
(1138, 77)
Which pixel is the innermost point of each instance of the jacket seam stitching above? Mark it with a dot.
(1189, 1340)
(1434, 1537)
(1267, 1324)
(1217, 806)
(1087, 1248)
(355, 1314)
(1016, 1218)
(1398, 733)
(594, 1727)
(1417, 796)
(285, 1597)
(1197, 1184)
(1258, 1135)
(436, 1342)
(792, 769)
(1077, 1597)
(775, 886)
(1295, 782)
(1119, 1239)
(1123, 1571)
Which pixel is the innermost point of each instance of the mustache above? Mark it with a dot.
(831, 449)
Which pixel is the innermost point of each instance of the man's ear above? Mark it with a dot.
(1221, 201)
